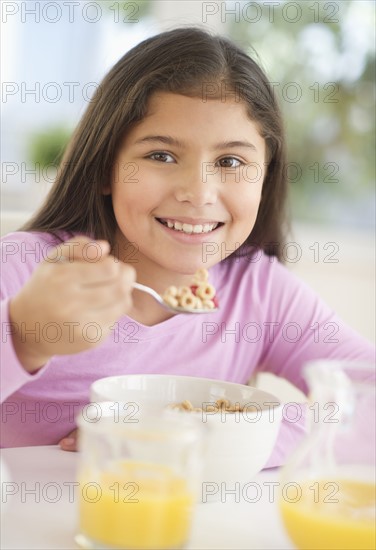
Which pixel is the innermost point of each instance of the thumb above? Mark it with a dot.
(79, 248)
(69, 443)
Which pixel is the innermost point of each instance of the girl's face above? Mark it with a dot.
(187, 185)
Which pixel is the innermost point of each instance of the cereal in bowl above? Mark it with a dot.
(223, 405)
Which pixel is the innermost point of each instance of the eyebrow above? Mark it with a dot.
(235, 144)
(168, 140)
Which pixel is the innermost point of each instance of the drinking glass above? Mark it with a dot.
(139, 480)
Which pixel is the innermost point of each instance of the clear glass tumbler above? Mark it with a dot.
(139, 481)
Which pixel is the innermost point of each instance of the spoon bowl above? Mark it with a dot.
(160, 300)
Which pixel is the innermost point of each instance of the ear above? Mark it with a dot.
(106, 190)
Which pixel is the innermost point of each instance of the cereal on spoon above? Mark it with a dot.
(199, 295)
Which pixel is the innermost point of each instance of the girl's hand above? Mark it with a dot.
(69, 443)
(69, 306)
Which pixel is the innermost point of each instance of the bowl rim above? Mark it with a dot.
(266, 394)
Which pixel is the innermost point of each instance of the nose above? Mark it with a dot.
(195, 187)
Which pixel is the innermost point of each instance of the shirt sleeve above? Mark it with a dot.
(302, 327)
(12, 374)
(20, 254)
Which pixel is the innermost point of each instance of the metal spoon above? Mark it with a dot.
(159, 299)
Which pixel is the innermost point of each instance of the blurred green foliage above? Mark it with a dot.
(321, 60)
(128, 12)
(47, 147)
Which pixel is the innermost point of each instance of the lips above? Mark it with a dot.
(189, 228)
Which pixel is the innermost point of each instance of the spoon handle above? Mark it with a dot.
(148, 290)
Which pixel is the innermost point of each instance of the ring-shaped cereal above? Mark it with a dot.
(184, 290)
(188, 301)
(171, 291)
(206, 291)
(170, 300)
(201, 275)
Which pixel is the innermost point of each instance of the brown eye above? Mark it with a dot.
(229, 162)
(161, 157)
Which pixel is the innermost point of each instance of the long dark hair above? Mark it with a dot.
(186, 61)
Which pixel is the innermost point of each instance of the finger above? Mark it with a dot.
(109, 271)
(109, 277)
(79, 249)
(91, 274)
(69, 443)
(99, 297)
(118, 305)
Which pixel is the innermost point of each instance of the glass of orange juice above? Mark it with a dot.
(328, 492)
(138, 480)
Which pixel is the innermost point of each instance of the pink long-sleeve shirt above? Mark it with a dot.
(269, 320)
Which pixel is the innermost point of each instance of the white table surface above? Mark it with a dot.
(45, 474)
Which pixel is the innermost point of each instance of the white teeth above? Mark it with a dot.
(189, 228)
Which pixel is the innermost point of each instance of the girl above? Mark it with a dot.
(177, 164)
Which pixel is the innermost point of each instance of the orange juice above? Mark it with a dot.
(331, 515)
(136, 505)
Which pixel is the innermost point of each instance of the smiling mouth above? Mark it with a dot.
(189, 228)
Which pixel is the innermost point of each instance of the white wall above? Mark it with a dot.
(340, 266)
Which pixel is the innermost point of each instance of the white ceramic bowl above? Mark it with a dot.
(239, 444)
